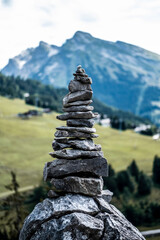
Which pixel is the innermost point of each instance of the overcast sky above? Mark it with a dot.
(23, 23)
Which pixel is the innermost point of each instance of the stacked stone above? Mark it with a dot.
(78, 208)
(79, 164)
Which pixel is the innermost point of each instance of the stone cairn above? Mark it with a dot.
(77, 208)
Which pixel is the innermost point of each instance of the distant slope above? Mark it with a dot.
(124, 76)
(24, 144)
(47, 96)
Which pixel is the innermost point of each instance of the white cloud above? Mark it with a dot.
(26, 22)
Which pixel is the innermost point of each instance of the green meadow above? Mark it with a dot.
(25, 144)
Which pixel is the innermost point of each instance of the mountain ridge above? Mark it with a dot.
(124, 76)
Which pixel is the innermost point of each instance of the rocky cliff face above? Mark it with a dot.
(77, 207)
(125, 76)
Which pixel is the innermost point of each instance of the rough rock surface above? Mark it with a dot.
(75, 154)
(61, 168)
(62, 133)
(74, 184)
(77, 103)
(75, 86)
(82, 108)
(77, 129)
(85, 144)
(77, 115)
(77, 217)
(83, 79)
(53, 208)
(80, 122)
(77, 96)
(117, 227)
(107, 195)
(71, 227)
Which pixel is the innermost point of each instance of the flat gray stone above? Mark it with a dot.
(83, 79)
(77, 103)
(75, 154)
(62, 168)
(106, 195)
(82, 108)
(80, 122)
(117, 226)
(80, 74)
(75, 86)
(56, 207)
(74, 226)
(77, 96)
(62, 133)
(86, 144)
(77, 115)
(77, 129)
(73, 184)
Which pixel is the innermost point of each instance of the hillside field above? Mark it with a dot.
(24, 144)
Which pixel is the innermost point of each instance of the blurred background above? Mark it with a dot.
(117, 43)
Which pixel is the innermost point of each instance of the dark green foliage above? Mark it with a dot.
(38, 194)
(12, 212)
(45, 96)
(124, 180)
(156, 170)
(110, 181)
(133, 169)
(134, 214)
(111, 171)
(142, 213)
(144, 184)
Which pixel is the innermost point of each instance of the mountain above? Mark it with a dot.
(124, 76)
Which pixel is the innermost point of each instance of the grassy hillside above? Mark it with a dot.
(24, 144)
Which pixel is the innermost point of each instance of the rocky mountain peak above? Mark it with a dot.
(126, 76)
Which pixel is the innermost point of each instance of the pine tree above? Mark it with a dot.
(156, 169)
(144, 184)
(133, 169)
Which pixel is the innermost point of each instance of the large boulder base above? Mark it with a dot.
(55, 208)
(77, 217)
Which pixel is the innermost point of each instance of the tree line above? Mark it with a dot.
(46, 96)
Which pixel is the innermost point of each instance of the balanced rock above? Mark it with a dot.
(75, 86)
(73, 184)
(62, 167)
(77, 96)
(83, 79)
(56, 207)
(86, 144)
(77, 103)
(77, 129)
(75, 115)
(62, 133)
(75, 154)
(82, 108)
(80, 122)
